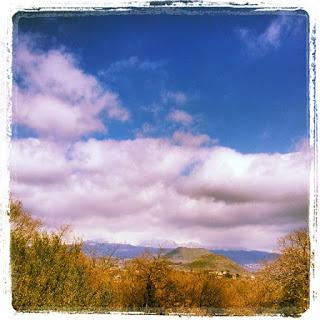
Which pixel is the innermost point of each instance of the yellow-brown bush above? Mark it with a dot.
(48, 273)
(285, 281)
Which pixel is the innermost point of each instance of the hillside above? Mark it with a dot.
(202, 259)
(185, 255)
(217, 263)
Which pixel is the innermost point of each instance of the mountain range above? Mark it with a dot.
(248, 259)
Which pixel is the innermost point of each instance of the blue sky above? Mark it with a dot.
(188, 128)
(250, 100)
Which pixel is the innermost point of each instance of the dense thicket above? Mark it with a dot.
(47, 273)
(286, 280)
(50, 274)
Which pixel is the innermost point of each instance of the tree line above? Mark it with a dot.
(48, 273)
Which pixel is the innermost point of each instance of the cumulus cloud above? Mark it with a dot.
(249, 178)
(180, 116)
(37, 162)
(55, 97)
(134, 190)
(270, 39)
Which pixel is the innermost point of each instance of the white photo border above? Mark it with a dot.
(9, 8)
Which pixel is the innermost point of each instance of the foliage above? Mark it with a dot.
(286, 280)
(48, 273)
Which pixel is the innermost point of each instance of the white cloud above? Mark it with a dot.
(143, 189)
(245, 178)
(38, 162)
(127, 64)
(180, 116)
(54, 96)
(260, 43)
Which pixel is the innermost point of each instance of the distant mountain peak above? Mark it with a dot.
(159, 243)
(164, 243)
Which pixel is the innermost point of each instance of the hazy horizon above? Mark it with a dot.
(179, 128)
